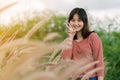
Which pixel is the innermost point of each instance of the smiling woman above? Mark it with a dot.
(80, 45)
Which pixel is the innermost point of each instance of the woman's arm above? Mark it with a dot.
(67, 48)
(67, 44)
(97, 49)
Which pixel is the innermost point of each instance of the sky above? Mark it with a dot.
(98, 8)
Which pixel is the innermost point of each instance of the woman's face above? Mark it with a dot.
(76, 23)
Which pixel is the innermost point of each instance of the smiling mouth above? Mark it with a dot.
(77, 27)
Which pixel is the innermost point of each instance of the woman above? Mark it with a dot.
(82, 44)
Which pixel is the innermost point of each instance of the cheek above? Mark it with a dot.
(71, 23)
(81, 23)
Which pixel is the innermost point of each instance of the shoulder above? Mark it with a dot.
(93, 36)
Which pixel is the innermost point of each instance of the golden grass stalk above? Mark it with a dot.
(36, 27)
(42, 76)
(90, 73)
(2, 36)
(51, 36)
(7, 6)
(57, 59)
(81, 70)
(12, 37)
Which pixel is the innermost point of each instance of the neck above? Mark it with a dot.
(79, 35)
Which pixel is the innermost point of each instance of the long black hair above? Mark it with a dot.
(83, 16)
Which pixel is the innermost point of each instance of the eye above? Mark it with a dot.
(79, 20)
(72, 20)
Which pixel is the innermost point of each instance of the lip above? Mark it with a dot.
(76, 27)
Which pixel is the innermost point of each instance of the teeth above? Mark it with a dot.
(76, 27)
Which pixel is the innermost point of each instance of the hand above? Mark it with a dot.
(68, 43)
(70, 31)
(100, 78)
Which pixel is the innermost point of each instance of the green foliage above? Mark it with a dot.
(111, 43)
(55, 24)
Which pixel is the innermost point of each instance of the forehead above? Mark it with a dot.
(76, 16)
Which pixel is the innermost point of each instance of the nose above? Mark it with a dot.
(75, 23)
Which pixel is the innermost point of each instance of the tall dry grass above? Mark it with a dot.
(14, 52)
(22, 59)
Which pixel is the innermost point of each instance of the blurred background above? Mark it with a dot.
(23, 19)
